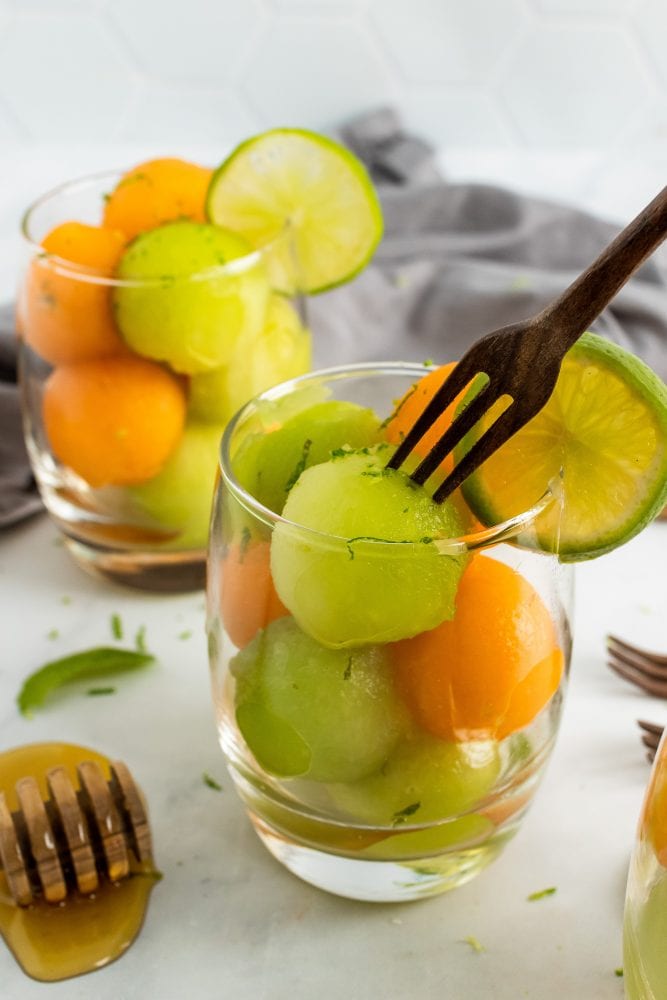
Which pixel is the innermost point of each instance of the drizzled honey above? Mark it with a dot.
(76, 867)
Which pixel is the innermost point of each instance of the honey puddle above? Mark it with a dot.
(53, 942)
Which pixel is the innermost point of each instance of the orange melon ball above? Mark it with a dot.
(156, 192)
(653, 824)
(113, 421)
(490, 670)
(248, 598)
(412, 405)
(66, 312)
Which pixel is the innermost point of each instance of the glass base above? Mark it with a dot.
(379, 881)
(160, 572)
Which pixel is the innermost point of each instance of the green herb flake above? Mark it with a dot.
(185, 634)
(65, 599)
(429, 363)
(211, 782)
(100, 661)
(300, 465)
(541, 894)
(246, 535)
(140, 639)
(348, 669)
(474, 943)
(116, 626)
(618, 973)
(52, 633)
(403, 814)
(94, 692)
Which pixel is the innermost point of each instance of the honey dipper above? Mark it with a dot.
(51, 848)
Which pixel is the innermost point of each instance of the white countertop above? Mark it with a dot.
(227, 920)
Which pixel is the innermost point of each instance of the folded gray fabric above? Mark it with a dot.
(18, 494)
(456, 261)
(460, 260)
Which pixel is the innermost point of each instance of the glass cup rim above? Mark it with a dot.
(70, 269)
(483, 538)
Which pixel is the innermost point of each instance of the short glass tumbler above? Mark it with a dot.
(645, 924)
(128, 383)
(386, 704)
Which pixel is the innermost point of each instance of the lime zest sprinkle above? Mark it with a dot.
(140, 639)
(541, 894)
(97, 662)
(93, 692)
(403, 814)
(618, 972)
(116, 626)
(52, 633)
(185, 634)
(210, 782)
(474, 943)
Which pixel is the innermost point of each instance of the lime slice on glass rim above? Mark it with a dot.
(605, 428)
(296, 181)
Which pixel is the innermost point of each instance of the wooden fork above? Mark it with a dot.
(651, 734)
(522, 361)
(646, 670)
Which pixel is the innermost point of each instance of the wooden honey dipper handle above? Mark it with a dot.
(49, 848)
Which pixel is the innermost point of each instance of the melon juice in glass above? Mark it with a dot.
(139, 338)
(387, 674)
(645, 923)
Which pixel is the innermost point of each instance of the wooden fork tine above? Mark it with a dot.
(614, 641)
(456, 431)
(648, 667)
(490, 441)
(457, 380)
(658, 688)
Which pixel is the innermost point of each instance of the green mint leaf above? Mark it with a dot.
(98, 662)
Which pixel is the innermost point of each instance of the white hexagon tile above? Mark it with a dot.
(507, 74)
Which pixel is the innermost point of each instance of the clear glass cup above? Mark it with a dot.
(645, 921)
(373, 769)
(123, 443)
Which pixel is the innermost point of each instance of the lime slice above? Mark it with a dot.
(605, 427)
(299, 182)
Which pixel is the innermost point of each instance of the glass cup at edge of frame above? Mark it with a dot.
(433, 801)
(645, 917)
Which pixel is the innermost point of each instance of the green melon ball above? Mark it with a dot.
(281, 351)
(425, 780)
(358, 587)
(180, 314)
(268, 465)
(179, 498)
(323, 714)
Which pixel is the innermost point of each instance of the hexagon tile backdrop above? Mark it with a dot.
(531, 74)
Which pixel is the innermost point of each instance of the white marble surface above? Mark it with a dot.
(227, 920)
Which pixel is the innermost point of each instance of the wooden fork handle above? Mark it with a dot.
(572, 312)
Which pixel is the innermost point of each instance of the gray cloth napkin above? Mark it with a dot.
(456, 261)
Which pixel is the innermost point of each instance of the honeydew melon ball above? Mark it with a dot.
(648, 974)
(280, 351)
(186, 308)
(323, 714)
(179, 498)
(353, 584)
(425, 781)
(268, 465)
